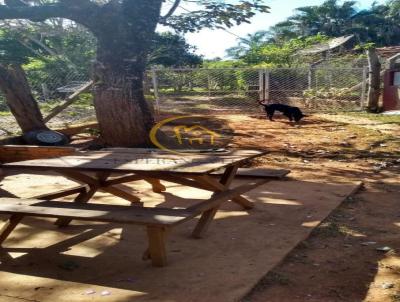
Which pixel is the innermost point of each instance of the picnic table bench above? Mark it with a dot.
(109, 170)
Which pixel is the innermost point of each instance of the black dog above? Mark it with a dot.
(293, 113)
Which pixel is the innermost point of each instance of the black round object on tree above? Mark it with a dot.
(45, 138)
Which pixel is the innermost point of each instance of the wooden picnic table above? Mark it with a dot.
(109, 170)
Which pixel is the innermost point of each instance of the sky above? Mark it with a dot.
(213, 43)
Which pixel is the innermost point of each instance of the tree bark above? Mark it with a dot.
(124, 39)
(124, 116)
(23, 106)
(374, 89)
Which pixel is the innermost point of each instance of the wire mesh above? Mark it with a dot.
(214, 91)
(201, 91)
(56, 84)
(227, 91)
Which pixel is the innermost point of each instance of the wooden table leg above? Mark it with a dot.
(203, 223)
(157, 250)
(62, 193)
(101, 183)
(121, 191)
(156, 185)
(9, 226)
(95, 184)
(217, 186)
(207, 217)
(83, 197)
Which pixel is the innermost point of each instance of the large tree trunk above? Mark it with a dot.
(124, 39)
(23, 106)
(124, 116)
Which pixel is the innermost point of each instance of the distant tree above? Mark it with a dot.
(332, 18)
(283, 54)
(283, 31)
(172, 50)
(251, 41)
(124, 30)
(379, 25)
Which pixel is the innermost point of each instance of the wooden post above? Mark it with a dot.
(363, 87)
(374, 80)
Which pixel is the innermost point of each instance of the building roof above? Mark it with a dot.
(329, 45)
(387, 52)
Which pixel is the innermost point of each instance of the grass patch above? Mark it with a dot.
(333, 229)
(385, 119)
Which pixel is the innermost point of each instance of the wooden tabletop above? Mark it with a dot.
(136, 160)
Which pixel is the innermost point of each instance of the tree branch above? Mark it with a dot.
(171, 11)
(69, 9)
(34, 13)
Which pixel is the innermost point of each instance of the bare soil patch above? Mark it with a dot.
(340, 260)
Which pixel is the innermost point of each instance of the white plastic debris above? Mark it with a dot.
(105, 293)
(387, 285)
(384, 249)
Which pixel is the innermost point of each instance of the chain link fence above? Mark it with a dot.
(231, 90)
(55, 84)
(200, 91)
(209, 91)
(237, 91)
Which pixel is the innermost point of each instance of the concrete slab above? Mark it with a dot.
(102, 262)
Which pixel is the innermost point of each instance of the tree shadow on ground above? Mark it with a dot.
(240, 247)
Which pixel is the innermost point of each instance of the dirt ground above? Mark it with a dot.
(353, 254)
(343, 259)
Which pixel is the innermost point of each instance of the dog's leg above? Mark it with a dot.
(270, 115)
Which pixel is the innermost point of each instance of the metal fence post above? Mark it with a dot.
(155, 90)
(266, 83)
(45, 92)
(208, 84)
(311, 77)
(363, 87)
(261, 83)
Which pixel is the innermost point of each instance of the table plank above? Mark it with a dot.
(94, 212)
(136, 162)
